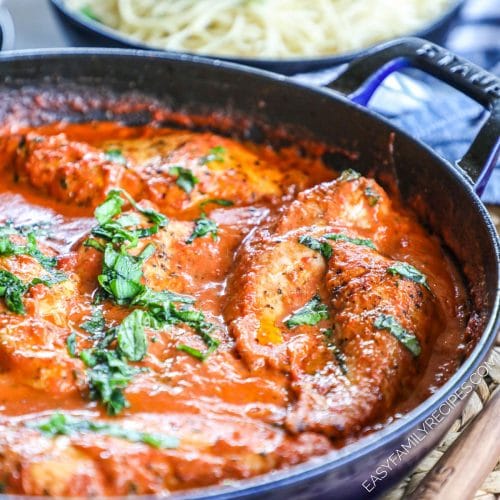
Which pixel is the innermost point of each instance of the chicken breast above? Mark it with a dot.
(312, 296)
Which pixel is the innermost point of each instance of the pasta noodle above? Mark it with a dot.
(278, 29)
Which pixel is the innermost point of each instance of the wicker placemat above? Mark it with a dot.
(490, 490)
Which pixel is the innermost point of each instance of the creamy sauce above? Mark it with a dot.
(230, 412)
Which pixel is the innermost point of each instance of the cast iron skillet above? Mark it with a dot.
(444, 195)
(84, 32)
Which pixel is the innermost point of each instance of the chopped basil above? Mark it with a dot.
(408, 339)
(12, 290)
(115, 155)
(217, 153)
(311, 314)
(50, 279)
(71, 344)
(216, 201)
(355, 241)
(108, 376)
(203, 226)
(96, 324)
(60, 424)
(186, 180)
(408, 271)
(372, 196)
(131, 337)
(339, 355)
(319, 246)
(348, 175)
(111, 207)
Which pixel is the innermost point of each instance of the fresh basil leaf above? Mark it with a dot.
(96, 324)
(408, 339)
(319, 246)
(116, 156)
(131, 337)
(60, 424)
(216, 201)
(12, 290)
(54, 278)
(217, 153)
(71, 344)
(311, 314)
(186, 180)
(355, 241)
(372, 196)
(202, 227)
(152, 215)
(408, 271)
(348, 175)
(111, 207)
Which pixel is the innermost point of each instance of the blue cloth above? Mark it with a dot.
(433, 112)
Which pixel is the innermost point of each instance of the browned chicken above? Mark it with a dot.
(312, 297)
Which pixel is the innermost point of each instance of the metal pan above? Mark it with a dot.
(132, 85)
(83, 31)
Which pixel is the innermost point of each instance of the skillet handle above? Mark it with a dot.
(362, 77)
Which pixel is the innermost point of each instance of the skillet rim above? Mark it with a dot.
(396, 430)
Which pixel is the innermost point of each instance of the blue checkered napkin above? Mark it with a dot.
(432, 111)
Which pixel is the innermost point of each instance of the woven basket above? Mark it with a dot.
(490, 490)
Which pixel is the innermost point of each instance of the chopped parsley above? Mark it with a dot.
(115, 155)
(408, 271)
(348, 175)
(311, 314)
(372, 196)
(60, 424)
(217, 153)
(355, 241)
(186, 180)
(408, 339)
(322, 247)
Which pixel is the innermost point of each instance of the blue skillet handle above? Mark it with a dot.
(362, 77)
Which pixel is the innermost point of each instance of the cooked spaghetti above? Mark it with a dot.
(262, 28)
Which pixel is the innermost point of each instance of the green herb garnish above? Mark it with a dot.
(408, 339)
(131, 337)
(319, 246)
(338, 354)
(311, 314)
(95, 325)
(372, 196)
(216, 201)
(71, 344)
(355, 241)
(217, 153)
(12, 290)
(186, 180)
(408, 271)
(203, 226)
(348, 175)
(116, 156)
(60, 424)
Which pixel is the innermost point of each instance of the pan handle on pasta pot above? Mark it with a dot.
(363, 76)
